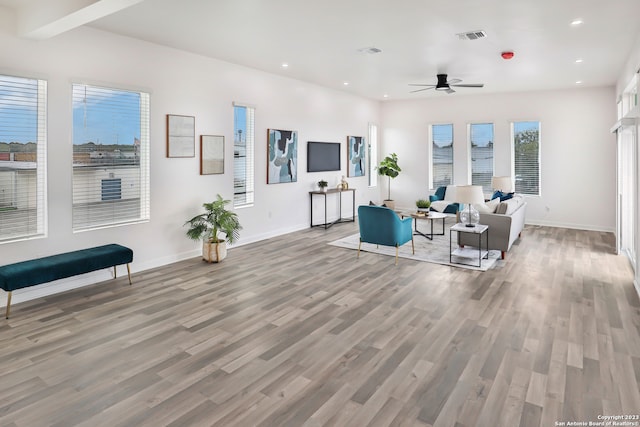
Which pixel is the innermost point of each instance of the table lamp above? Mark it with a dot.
(502, 183)
(469, 194)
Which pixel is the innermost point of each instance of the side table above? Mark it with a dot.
(478, 230)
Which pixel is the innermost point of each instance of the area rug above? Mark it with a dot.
(436, 251)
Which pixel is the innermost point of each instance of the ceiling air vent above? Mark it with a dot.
(472, 35)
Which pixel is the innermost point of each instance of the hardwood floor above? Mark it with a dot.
(294, 332)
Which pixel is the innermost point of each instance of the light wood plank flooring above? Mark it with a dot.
(294, 332)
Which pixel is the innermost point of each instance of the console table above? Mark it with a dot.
(327, 224)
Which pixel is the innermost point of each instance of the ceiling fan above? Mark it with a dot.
(444, 84)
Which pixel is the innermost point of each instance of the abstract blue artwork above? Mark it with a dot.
(356, 147)
(283, 156)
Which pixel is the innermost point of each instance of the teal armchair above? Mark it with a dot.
(382, 226)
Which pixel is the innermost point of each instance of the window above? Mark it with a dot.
(441, 155)
(481, 139)
(243, 148)
(23, 139)
(526, 153)
(373, 155)
(110, 157)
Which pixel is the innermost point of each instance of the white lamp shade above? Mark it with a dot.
(469, 194)
(502, 183)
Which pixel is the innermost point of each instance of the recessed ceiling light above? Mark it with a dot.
(285, 65)
(579, 61)
(577, 22)
(346, 83)
(385, 96)
(579, 82)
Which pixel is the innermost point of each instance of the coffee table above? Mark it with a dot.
(431, 217)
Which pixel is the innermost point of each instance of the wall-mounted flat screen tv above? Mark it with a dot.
(323, 156)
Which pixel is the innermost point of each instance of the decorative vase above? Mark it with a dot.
(214, 252)
(345, 184)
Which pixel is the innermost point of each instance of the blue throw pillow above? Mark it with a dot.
(503, 196)
(439, 194)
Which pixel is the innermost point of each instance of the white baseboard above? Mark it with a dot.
(76, 282)
(570, 225)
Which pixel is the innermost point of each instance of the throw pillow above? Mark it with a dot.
(488, 207)
(506, 196)
(501, 195)
(371, 203)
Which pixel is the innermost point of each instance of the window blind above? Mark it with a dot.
(23, 127)
(481, 139)
(373, 155)
(110, 157)
(526, 152)
(441, 155)
(243, 155)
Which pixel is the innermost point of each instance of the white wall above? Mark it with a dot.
(631, 67)
(187, 84)
(577, 150)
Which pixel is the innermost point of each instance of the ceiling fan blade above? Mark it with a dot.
(470, 85)
(420, 84)
(420, 90)
(453, 81)
(450, 90)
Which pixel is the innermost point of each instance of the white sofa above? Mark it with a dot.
(505, 225)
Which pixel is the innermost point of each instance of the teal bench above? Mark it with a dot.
(42, 270)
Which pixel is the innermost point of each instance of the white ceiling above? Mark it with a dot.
(320, 40)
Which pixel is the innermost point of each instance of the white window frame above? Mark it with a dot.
(513, 157)
(38, 199)
(487, 185)
(373, 155)
(142, 179)
(430, 153)
(248, 195)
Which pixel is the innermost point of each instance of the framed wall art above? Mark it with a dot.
(282, 156)
(181, 136)
(356, 156)
(211, 154)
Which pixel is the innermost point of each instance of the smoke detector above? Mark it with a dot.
(472, 35)
(370, 50)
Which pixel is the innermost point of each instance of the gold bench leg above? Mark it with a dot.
(396, 254)
(359, 244)
(8, 304)
(115, 272)
(129, 273)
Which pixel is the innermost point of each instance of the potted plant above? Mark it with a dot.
(323, 185)
(208, 226)
(389, 167)
(423, 205)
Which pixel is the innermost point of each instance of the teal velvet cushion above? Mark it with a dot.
(47, 269)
